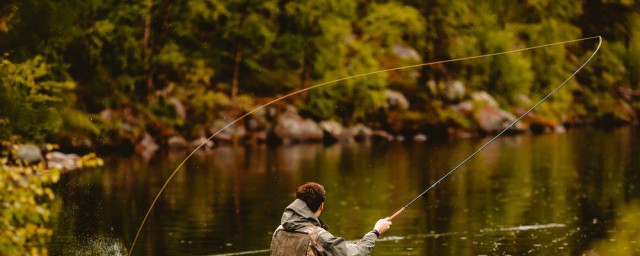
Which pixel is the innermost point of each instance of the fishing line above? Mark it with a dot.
(500, 133)
(153, 203)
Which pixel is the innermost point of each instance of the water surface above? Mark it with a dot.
(554, 194)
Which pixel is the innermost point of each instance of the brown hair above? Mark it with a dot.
(311, 193)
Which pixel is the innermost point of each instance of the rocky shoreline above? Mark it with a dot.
(458, 114)
(48, 157)
(283, 124)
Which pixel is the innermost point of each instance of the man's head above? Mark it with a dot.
(313, 194)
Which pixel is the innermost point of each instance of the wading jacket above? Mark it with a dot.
(300, 233)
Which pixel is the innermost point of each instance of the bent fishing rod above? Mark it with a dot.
(153, 203)
(397, 213)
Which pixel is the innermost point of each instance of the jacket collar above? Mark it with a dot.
(298, 215)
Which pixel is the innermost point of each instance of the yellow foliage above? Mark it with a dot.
(24, 206)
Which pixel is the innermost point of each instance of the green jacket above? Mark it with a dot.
(301, 233)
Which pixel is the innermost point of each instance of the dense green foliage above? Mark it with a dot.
(24, 201)
(175, 67)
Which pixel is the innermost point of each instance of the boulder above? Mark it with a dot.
(291, 127)
(483, 99)
(147, 146)
(488, 115)
(230, 133)
(29, 153)
(61, 161)
(464, 107)
(454, 90)
(405, 52)
(334, 131)
(208, 144)
(177, 143)
(420, 137)
(493, 119)
(396, 100)
(106, 115)
(361, 132)
(381, 135)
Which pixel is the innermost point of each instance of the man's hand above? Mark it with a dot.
(382, 225)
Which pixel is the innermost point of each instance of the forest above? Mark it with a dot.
(103, 74)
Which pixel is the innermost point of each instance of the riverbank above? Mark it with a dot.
(453, 112)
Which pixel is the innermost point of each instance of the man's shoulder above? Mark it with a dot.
(313, 230)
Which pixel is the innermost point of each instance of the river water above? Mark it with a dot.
(552, 194)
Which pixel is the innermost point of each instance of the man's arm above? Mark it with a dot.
(338, 246)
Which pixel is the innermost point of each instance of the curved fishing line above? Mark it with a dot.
(500, 133)
(153, 203)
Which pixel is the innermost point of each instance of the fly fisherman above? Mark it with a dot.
(302, 233)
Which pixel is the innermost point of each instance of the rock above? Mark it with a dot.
(61, 161)
(229, 134)
(291, 127)
(208, 144)
(523, 100)
(381, 135)
(29, 153)
(106, 115)
(492, 119)
(432, 86)
(405, 52)
(361, 132)
(454, 90)
(488, 115)
(396, 100)
(483, 99)
(257, 121)
(464, 107)
(334, 131)
(460, 133)
(177, 143)
(625, 112)
(559, 129)
(147, 146)
(420, 137)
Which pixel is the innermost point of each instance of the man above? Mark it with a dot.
(302, 233)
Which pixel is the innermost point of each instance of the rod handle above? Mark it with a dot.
(396, 214)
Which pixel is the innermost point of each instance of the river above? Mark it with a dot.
(551, 194)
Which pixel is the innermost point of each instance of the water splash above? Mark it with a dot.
(100, 246)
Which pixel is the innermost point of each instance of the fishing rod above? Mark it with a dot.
(153, 203)
(397, 213)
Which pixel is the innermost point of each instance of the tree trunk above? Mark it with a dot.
(147, 30)
(146, 49)
(234, 82)
(304, 80)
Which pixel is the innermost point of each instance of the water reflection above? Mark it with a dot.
(230, 199)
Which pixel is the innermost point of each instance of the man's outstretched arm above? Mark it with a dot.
(338, 246)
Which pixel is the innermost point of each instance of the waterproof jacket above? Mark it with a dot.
(298, 221)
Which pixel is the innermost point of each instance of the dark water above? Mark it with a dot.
(557, 194)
